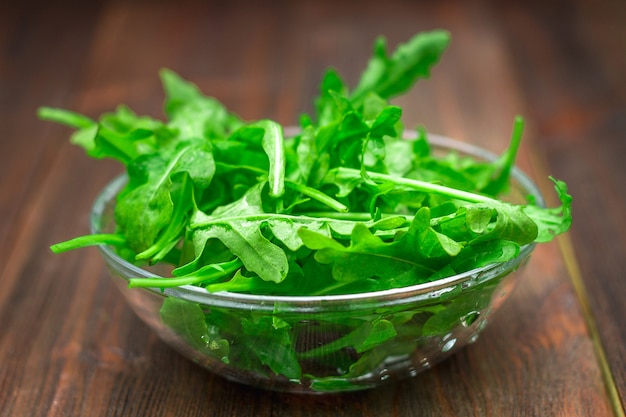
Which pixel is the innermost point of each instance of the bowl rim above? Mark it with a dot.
(427, 290)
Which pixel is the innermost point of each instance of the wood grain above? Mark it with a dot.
(580, 122)
(70, 346)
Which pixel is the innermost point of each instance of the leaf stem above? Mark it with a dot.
(211, 272)
(317, 195)
(516, 140)
(301, 188)
(89, 240)
(343, 174)
(299, 218)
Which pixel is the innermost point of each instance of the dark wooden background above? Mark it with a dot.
(69, 345)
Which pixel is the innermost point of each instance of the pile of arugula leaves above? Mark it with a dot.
(344, 205)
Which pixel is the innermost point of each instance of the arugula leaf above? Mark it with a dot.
(464, 310)
(121, 135)
(366, 336)
(193, 114)
(305, 153)
(431, 243)
(245, 241)
(188, 321)
(552, 221)
(273, 345)
(366, 257)
(149, 191)
(388, 76)
(513, 224)
(325, 104)
(274, 148)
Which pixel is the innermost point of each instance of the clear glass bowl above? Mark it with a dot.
(244, 337)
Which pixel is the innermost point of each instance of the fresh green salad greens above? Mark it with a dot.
(344, 204)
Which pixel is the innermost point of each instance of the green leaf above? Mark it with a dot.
(251, 203)
(325, 104)
(430, 242)
(385, 122)
(188, 321)
(351, 126)
(153, 201)
(365, 337)
(464, 310)
(121, 135)
(389, 76)
(482, 254)
(512, 224)
(306, 153)
(425, 245)
(149, 188)
(366, 257)
(478, 218)
(183, 204)
(552, 221)
(246, 242)
(178, 92)
(274, 148)
(273, 345)
(193, 114)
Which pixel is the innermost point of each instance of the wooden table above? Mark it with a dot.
(70, 346)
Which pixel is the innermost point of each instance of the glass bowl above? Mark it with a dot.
(320, 344)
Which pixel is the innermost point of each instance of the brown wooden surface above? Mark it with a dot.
(70, 346)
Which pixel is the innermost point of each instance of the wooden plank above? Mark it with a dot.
(41, 61)
(40, 64)
(580, 121)
(71, 346)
